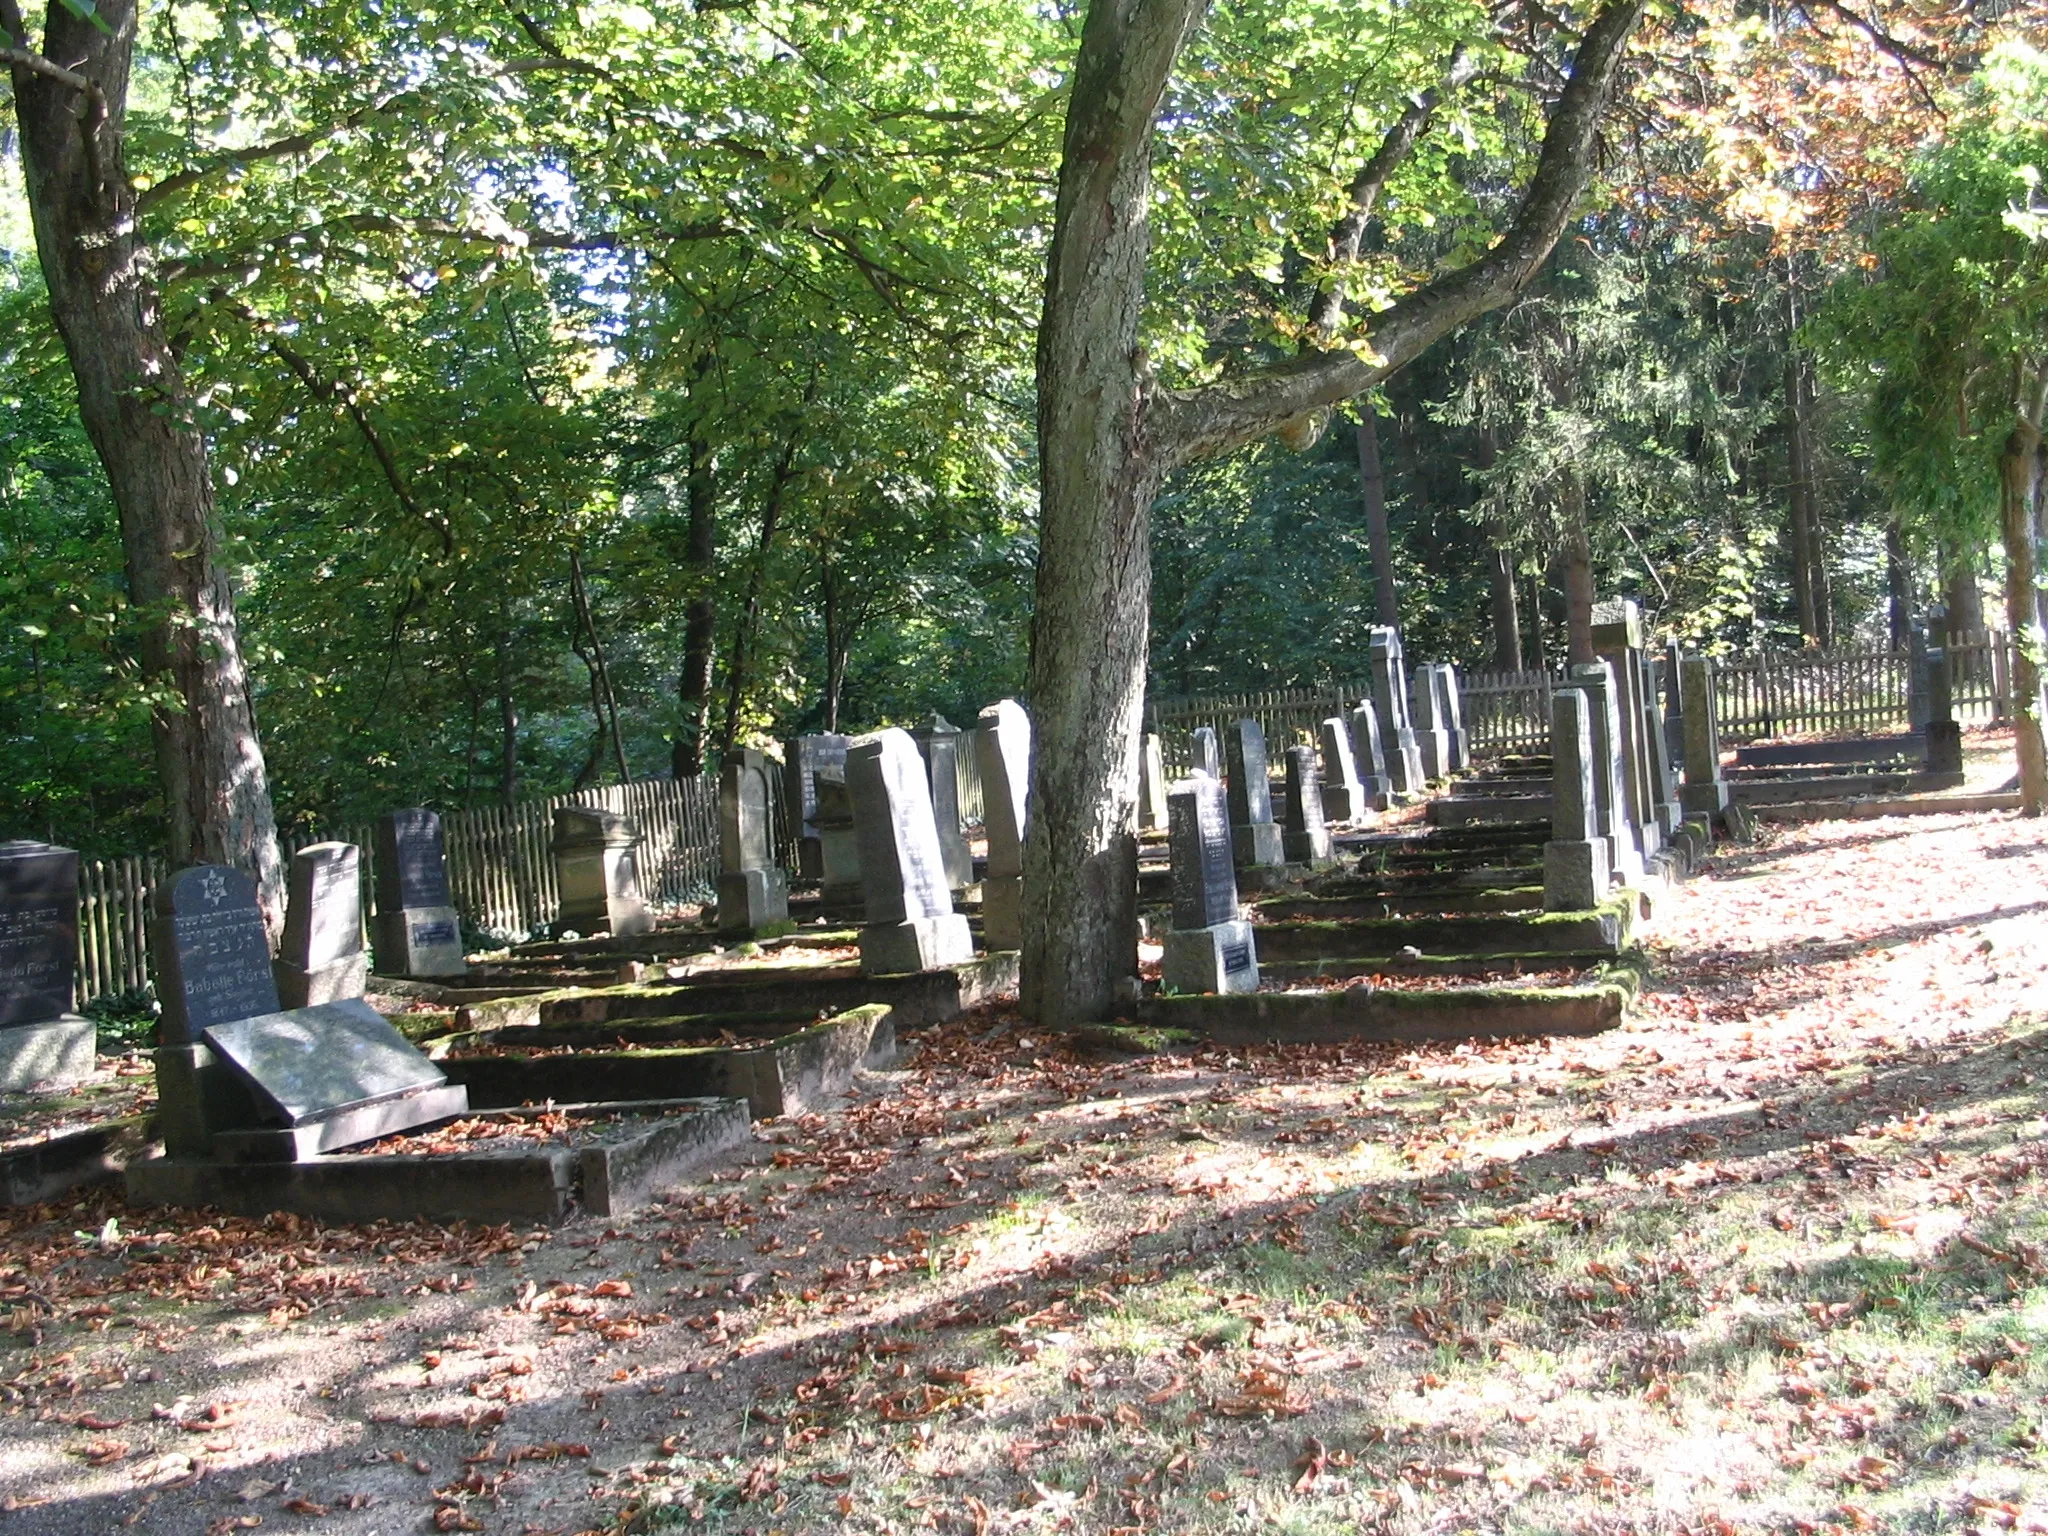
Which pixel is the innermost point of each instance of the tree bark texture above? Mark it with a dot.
(1809, 582)
(1960, 593)
(1507, 620)
(1576, 563)
(1372, 485)
(700, 616)
(1898, 581)
(1107, 437)
(134, 406)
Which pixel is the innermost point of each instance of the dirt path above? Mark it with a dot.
(1773, 1256)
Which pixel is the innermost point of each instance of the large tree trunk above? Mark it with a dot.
(2019, 471)
(1803, 505)
(1372, 484)
(1960, 593)
(1097, 476)
(133, 403)
(1507, 620)
(1576, 562)
(700, 616)
(1898, 581)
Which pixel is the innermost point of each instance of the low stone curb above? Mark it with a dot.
(1872, 810)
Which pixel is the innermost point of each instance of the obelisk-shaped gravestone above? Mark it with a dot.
(1624, 846)
(1253, 831)
(753, 890)
(1451, 699)
(938, 742)
(1944, 735)
(1390, 702)
(1705, 792)
(1151, 784)
(1306, 834)
(803, 757)
(1431, 739)
(321, 959)
(1204, 756)
(1372, 758)
(597, 868)
(1577, 863)
(41, 1039)
(911, 924)
(1003, 740)
(1209, 948)
(415, 931)
(1343, 792)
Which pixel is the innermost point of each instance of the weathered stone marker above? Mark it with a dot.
(1670, 674)
(1625, 851)
(1372, 758)
(753, 890)
(1306, 834)
(321, 959)
(41, 1039)
(1663, 782)
(911, 924)
(938, 743)
(1343, 792)
(240, 1079)
(1453, 706)
(839, 888)
(1577, 863)
(1209, 948)
(597, 867)
(1618, 640)
(416, 931)
(1944, 734)
(1204, 756)
(1003, 740)
(803, 757)
(1151, 784)
(1705, 792)
(1254, 834)
(1390, 702)
(1432, 740)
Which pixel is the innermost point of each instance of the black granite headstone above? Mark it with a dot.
(1251, 792)
(38, 931)
(803, 756)
(212, 956)
(412, 864)
(1198, 844)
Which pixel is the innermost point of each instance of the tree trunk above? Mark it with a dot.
(133, 403)
(1576, 558)
(1372, 484)
(1537, 653)
(603, 700)
(1097, 476)
(750, 614)
(2018, 468)
(700, 617)
(1898, 581)
(508, 711)
(1808, 578)
(836, 641)
(1507, 620)
(1960, 593)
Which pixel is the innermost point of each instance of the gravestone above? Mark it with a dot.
(1618, 640)
(41, 1039)
(753, 890)
(1306, 832)
(1343, 791)
(938, 743)
(1453, 707)
(1151, 784)
(240, 1079)
(839, 889)
(1210, 947)
(1253, 833)
(321, 959)
(1204, 756)
(803, 757)
(1003, 742)
(1577, 863)
(1603, 713)
(1669, 674)
(416, 931)
(1432, 740)
(1944, 734)
(911, 924)
(1704, 792)
(1917, 702)
(597, 868)
(1663, 782)
(1372, 759)
(1389, 673)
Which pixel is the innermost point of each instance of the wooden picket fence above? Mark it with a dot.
(501, 874)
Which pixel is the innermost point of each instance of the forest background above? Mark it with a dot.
(591, 388)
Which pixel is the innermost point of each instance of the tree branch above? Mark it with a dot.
(1202, 423)
(36, 64)
(1326, 309)
(236, 159)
